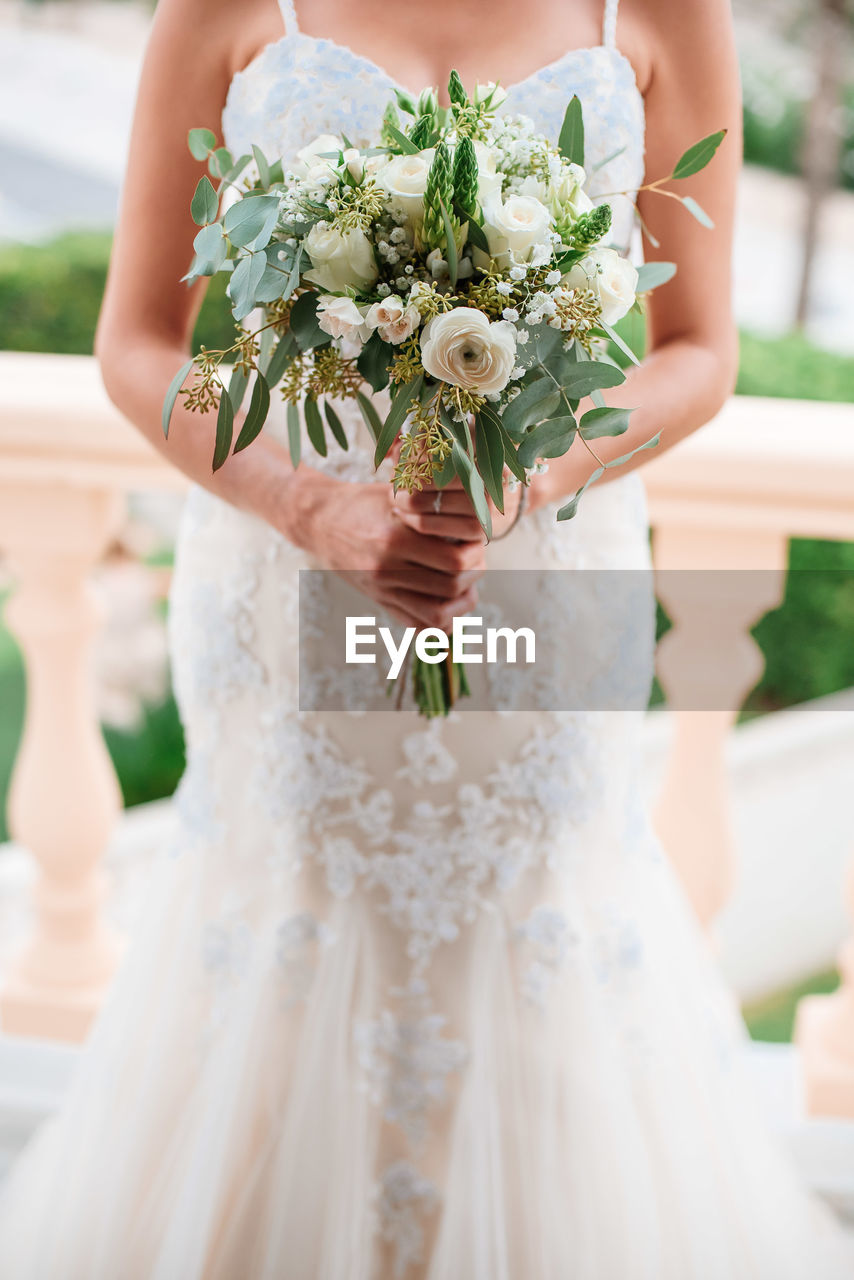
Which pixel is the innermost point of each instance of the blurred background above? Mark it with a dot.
(68, 71)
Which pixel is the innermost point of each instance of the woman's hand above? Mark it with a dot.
(362, 532)
(448, 513)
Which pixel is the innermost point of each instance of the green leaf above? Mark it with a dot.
(211, 249)
(568, 511)
(399, 409)
(220, 162)
(370, 415)
(304, 327)
(535, 402)
(406, 145)
(450, 245)
(490, 459)
(473, 485)
(224, 430)
(374, 360)
(336, 426)
(250, 221)
(697, 212)
(259, 407)
(263, 167)
(237, 387)
(549, 439)
(579, 377)
(652, 274)
(204, 204)
(620, 342)
(281, 358)
(236, 169)
(627, 457)
(172, 395)
(314, 426)
(294, 434)
(604, 422)
(445, 474)
(200, 142)
(571, 141)
(244, 281)
(698, 156)
(405, 102)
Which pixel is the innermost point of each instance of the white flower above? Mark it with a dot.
(489, 176)
(354, 163)
(340, 317)
(611, 277)
(463, 347)
(307, 157)
(490, 93)
(340, 259)
(515, 227)
(395, 319)
(405, 179)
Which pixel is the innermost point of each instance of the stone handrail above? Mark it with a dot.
(730, 497)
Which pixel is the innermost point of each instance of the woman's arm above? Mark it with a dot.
(691, 338)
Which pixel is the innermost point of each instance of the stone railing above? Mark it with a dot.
(729, 498)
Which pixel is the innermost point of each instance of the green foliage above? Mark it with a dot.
(465, 177)
(773, 1018)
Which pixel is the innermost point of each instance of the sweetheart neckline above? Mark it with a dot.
(377, 69)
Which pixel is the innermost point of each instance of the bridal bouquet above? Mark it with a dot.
(457, 261)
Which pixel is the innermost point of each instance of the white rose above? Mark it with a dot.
(489, 178)
(491, 93)
(395, 319)
(516, 226)
(306, 160)
(463, 347)
(611, 277)
(341, 318)
(405, 180)
(340, 259)
(354, 163)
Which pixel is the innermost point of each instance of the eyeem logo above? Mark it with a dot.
(465, 643)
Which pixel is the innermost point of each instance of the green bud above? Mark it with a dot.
(465, 177)
(422, 131)
(591, 227)
(439, 190)
(456, 92)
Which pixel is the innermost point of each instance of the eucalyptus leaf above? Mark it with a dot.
(536, 401)
(203, 207)
(224, 430)
(604, 422)
(549, 439)
(282, 357)
(569, 510)
(211, 249)
(237, 386)
(220, 162)
(406, 145)
(259, 407)
(370, 415)
(251, 220)
(314, 426)
(263, 166)
(473, 485)
(200, 142)
(336, 426)
(397, 414)
(244, 281)
(698, 156)
(304, 327)
(627, 457)
(621, 343)
(172, 395)
(443, 476)
(490, 459)
(294, 434)
(374, 360)
(697, 211)
(571, 140)
(578, 378)
(653, 274)
(236, 169)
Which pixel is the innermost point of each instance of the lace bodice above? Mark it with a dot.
(303, 85)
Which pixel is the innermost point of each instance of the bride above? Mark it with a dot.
(410, 999)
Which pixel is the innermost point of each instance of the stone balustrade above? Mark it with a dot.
(726, 500)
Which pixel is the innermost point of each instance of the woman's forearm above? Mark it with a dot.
(260, 480)
(679, 387)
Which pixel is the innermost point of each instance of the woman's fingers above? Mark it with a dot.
(464, 528)
(428, 611)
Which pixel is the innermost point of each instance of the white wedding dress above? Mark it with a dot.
(407, 1000)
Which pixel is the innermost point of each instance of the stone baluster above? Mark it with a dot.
(707, 664)
(64, 798)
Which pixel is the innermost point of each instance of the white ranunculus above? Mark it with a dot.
(340, 260)
(611, 277)
(395, 319)
(405, 180)
(465, 348)
(515, 226)
(307, 156)
(489, 178)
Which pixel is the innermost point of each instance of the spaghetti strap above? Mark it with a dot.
(289, 16)
(609, 24)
